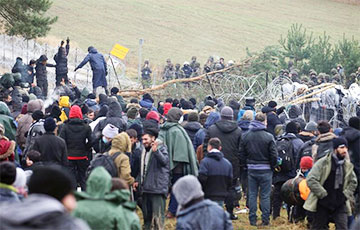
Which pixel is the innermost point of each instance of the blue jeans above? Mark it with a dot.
(259, 179)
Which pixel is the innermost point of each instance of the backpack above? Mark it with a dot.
(36, 129)
(285, 151)
(105, 160)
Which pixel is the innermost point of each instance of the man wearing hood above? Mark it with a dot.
(181, 151)
(77, 136)
(271, 116)
(41, 74)
(7, 121)
(229, 134)
(20, 67)
(192, 126)
(48, 205)
(249, 105)
(61, 60)
(154, 179)
(99, 206)
(323, 142)
(98, 66)
(258, 152)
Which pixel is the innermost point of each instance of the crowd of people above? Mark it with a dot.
(98, 157)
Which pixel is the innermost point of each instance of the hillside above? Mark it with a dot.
(181, 29)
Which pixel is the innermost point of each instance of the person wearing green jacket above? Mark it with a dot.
(102, 208)
(7, 121)
(182, 155)
(332, 182)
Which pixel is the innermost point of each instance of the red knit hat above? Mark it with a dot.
(7, 149)
(167, 107)
(153, 115)
(24, 109)
(306, 162)
(75, 112)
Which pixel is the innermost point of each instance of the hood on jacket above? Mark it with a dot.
(212, 119)
(4, 109)
(146, 103)
(75, 112)
(267, 109)
(34, 105)
(167, 125)
(215, 155)
(114, 110)
(174, 115)
(226, 126)
(37, 205)
(92, 50)
(64, 101)
(256, 125)
(90, 102)
(234, 105)
(97, 185)
(121, 143)
(294, 111)
(193, 126)
(244, 124)
(325, 137)
(351, 134)
(167, 107)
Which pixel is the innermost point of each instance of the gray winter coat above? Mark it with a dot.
(205, 215)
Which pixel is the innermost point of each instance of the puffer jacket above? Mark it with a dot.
(155, 178)
(230, 136)
(38, 211)
(204, 215)
(317, 177)
(41, 71)
(61, 60)
(19, 67)
(77, 136)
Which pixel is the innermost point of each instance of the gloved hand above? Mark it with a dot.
(280, 110)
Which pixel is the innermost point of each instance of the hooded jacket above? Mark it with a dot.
(26, 120)
(98, 66)
(103, 209)
(272, 119)
(323, 145)
(38, 212)
(41, 72)
(7, 121)
(352, 135)
(200, 135)
(203, 215)
(61, 61)
(180, 148)
(191, 128)
(215, 176)
(230, 136)
(121, 143)
(114, 117)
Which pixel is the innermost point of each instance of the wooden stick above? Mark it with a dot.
(313, 93)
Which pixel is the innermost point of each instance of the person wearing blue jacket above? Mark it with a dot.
(98, 66)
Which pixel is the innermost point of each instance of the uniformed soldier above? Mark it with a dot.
(169, 71)
(178, 72)
(146, 75)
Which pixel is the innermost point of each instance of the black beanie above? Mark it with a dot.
(49, 124)
(91, 96)
(272, 104)
(339, 141)
(37, 115)
(193, 101)
(7, 172)
(114, 90)
(354, 122)
(292, 127)
(151, 128)
(51, 180)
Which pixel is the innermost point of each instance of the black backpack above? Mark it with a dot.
(285, 151)
(105, 160)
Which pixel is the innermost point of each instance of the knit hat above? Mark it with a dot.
(114, 90)
(37, 115)
(7, 172)
(132, 112)
(24, 109)
(306, 162)
(20, 180)
(193, 116)
(174, 114)
(151, 128)
(75, 112)
(210, 103)
(167, 107)
(138, 129)
(193, 101)
(49, 124)
(311, 126)
(227, 113)
(272, 104)
(339, 141)
(7, 149)
(186, 189)
(153, 115)
(110, 131)
(354, 122)
(51, 180)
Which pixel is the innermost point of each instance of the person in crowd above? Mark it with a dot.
(309, 133)
(98, 206)
(332, 183)
(181, 152)
(289, 145)
(146, 75)
(7, 178)
(98, 67)
(77, 136)
(323, 143)
(7, 147)
(271, 116)
(136, 150)
(249, 105)
(258, 152)
(108, 134)
(154, 179)
(30, 72)
(33, 160)
(192, 126)
(60, 58)
(122, 143)
(7, 122)
(20, 67)
(41, 74)
(132, 115)
(195, 212)
(48, 205)
(245, 120)
(52, 148)
(229, 134)
(215, 173)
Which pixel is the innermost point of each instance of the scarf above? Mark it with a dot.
(339, 174)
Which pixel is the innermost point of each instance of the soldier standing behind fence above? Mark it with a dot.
(146, 75)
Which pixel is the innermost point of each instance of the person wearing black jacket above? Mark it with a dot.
(41, 74)
(258, 152)
(271, 117)
(77, 135)
(229, 134)
(52, 148)
(215, 173)
(61, 63)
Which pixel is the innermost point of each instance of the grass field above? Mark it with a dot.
(180, 29)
